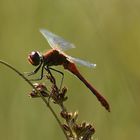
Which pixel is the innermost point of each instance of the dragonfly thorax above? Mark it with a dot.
(35, 58)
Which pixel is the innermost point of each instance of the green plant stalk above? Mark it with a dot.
(45, 101)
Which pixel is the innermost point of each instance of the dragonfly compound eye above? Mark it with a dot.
(34, 58)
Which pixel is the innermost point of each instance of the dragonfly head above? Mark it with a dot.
(35, 58)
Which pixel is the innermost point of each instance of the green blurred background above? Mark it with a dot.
(105, 32)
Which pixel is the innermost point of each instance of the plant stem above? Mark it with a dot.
(45, 101)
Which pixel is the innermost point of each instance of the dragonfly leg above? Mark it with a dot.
(61, 74)
(49, 72)
(41, 76)
(35, 71)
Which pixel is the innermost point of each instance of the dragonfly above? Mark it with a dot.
(56, 56)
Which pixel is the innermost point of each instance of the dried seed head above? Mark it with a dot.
(84, 130)
(41, 88)
(66, 127)
(57, 96)
(33, 94)
(66, 115)
(75, 115)
(64, 90)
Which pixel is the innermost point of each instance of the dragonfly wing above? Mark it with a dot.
(56, 41)
(82, 62)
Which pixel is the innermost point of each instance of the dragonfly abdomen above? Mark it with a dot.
(72, 68)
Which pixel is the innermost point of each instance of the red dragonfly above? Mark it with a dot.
(56, 56)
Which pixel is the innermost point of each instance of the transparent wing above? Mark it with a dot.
(82, 62)
(56, 41)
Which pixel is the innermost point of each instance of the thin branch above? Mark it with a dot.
(45, 101)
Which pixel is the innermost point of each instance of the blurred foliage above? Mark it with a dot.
(105, 32)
